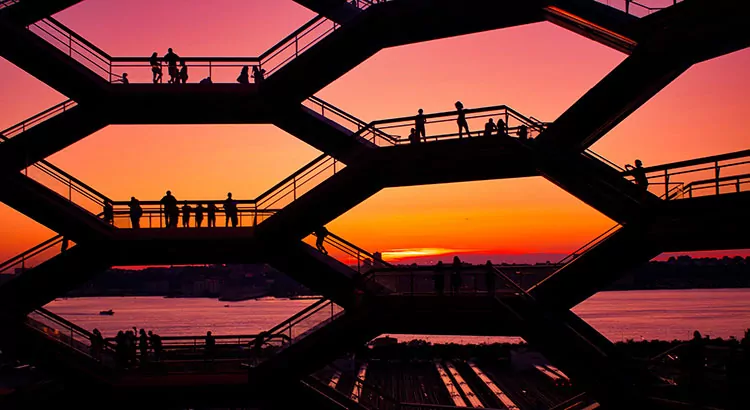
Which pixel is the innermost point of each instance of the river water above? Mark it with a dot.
(654, 314)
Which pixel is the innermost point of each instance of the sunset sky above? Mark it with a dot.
(539, 70)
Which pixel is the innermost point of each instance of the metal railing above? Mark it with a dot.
(466, 280)
(713, 175)
(36, 119)
(443, 125)
(34, 256)
(67, 333)
(219, 69)
(353, 255)
(213, 213)
(640, 9)
(300, 182)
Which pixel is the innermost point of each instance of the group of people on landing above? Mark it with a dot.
(419, 132)
(171, 212)
(179, 75)
(127, 344)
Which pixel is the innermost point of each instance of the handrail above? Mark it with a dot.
(599, 157)
(21, 257)
(35, 119)
(696, 161)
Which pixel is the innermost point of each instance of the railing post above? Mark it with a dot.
(296, 45)
(738, 184)
(717, 171)
(334, 165)
(70, 190)
(294, 188)
(210, 69)
(666, 184)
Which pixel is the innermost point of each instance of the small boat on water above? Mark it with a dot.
(107, 312)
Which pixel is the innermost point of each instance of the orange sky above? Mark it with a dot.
(539, 70)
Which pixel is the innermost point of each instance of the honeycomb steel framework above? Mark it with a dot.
(359, 160)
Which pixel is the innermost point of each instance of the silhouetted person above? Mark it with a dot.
(456, 275)
(206, 80)
(171, 59)
(210, 346)
(462, 124)
(155, 344)
(199, 210)
(211, 213)
(639, 174)
(489, 128)
(135, 212)
(230, 211)
(258, 343)
(97, 344)
(132, 349)
(490, 277)
(169, 203)
(121, 350)
(109, 213)
(502, 127)
(695, 366)
(259, 74)
(124, 79)
(182, 75)
(523, 133)
(320, 235)
(143, 345)
(413, 136)
(186, 211)
(156, 69)
(64, 245)
(244, 77)
(419, 125)
(438, 277)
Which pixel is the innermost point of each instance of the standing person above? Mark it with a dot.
(456, 276)
(230, 211)
(639, 175)
(135, 212)
(210, 346)
(186, 210)
(419, 125)
(97, 344)
(109, 212)
(156, 69)
(321, 234)
(462, 124)
(211, 213)
(169, 203)
(199, 210)
(155, 344)
(121, 350)
(259, 74)
(490, 278)
(502, 128)
(143, 346)
(171, 59)
(64, 245)
(182, 76)
(244, 77)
